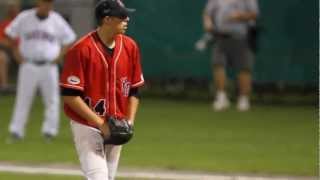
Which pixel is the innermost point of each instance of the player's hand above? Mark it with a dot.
(20, 61)
(130, 122)
(56, 61)
(200, 45)
(236, 16)
(105, 130)
(121, 131)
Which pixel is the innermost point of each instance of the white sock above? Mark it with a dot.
(243, 98)
(221, 95)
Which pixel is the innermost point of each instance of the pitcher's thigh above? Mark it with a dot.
(90, 149)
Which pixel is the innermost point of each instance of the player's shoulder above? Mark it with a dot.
(83, 43)
(127, 40)
(56, 15)
(27, 13)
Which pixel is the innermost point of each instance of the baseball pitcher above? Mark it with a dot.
(99, 82)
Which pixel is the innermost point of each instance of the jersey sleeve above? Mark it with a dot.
(13, 30)
(137, 76)
(66, 33)
(72, 76)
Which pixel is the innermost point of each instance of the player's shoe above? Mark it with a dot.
(48, 137)
(220, 104)
(243, 104)
(14, 138)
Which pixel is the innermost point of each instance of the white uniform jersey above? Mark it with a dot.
(40, 40)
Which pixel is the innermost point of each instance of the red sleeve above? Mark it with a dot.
(137, 79)
(72, 76)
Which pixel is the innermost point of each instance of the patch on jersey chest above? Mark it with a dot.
(125, 86)
(73, 80)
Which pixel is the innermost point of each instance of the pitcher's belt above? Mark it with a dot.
(40, 63)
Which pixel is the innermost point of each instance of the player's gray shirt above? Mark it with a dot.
(221, 10)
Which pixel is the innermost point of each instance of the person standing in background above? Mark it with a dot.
(13, 8)
(44, 37)
(229, 22)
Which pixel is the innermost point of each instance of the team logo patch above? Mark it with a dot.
(125, 86)
(73, 80)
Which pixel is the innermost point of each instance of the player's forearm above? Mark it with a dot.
(244, 16)
(207, 23)
(17, 56)
(249, 16)
(63, 51)
(132, 108)
(81, 108)
(5, 42)
(11, 43)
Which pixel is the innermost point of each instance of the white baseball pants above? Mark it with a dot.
(30, 78)
(98, 161)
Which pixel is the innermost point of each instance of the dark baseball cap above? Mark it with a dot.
(114, 8)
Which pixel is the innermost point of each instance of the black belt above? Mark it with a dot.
(40, 63)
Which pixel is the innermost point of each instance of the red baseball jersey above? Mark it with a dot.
(104, 79)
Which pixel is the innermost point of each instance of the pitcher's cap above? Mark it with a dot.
(114, 8)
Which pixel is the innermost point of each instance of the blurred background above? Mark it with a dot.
(279, 136)
(166, 31)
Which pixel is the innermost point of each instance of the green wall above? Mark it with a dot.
(166, 31)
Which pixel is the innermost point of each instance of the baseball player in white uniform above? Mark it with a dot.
(44, 37)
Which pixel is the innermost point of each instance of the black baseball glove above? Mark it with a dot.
(120, 131)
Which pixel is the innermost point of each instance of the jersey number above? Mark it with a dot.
(99, 108)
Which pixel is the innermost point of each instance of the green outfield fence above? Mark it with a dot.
(167, 30)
